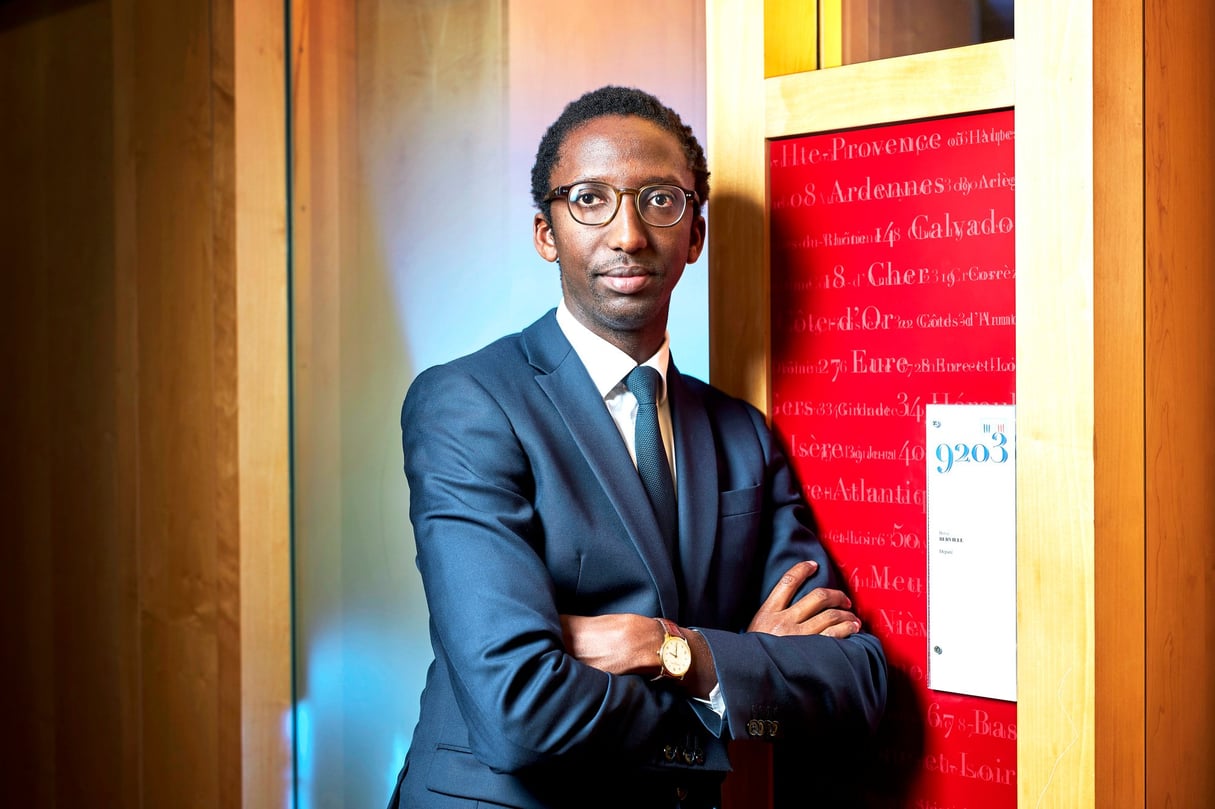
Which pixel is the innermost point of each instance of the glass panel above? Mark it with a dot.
(399, 108)
(865, 30)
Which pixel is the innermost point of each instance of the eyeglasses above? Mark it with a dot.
(596, 204)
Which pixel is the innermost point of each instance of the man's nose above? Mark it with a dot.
(626, 230)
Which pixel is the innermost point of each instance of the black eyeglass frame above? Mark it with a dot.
(562, 191)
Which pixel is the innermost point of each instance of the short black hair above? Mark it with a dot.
(613, 100)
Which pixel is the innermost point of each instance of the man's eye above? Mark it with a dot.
(660, 199)
(587, 199)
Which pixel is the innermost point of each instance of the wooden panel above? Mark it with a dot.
(977, 77)
(830, 33)
(1055, 671)
(262, 402)
(213, 409)
(790, 43)
(66, 602)
(177, 438)
(94, 618)
(1118, 414)
(1179, 85)
(126, 379)
(123, 340)
(739, 329)
(229, 474)
(26, 598)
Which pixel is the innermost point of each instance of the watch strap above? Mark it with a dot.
(671, 628)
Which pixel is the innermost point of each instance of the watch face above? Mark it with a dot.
(676, 657)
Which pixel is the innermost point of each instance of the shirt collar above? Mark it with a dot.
(606, 363)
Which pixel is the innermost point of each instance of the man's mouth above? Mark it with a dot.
(627, 280)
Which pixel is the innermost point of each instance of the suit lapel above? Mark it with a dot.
(696, 465)
(568, 386)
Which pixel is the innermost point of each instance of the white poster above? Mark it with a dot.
(972, 549)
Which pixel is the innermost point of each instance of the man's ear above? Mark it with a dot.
(542, 237)
(696, 244)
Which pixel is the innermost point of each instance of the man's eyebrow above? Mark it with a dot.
(653, 179)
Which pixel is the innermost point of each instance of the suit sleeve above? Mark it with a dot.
(792, 687)
(491, 598)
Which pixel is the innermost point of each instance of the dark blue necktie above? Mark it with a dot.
(652, 463)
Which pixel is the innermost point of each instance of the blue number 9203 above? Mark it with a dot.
(949, 455)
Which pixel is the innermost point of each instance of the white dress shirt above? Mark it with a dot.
(608, 366)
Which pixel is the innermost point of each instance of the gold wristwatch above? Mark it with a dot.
(675, 655)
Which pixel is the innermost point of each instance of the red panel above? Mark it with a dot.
(893, 287)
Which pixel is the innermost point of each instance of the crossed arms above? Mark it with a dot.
(626, 643)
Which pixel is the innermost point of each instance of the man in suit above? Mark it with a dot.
(600, 634)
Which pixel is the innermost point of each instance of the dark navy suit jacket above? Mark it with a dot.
(526, 505)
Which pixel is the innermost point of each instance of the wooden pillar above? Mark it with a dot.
(147, 493)
(1179, 400)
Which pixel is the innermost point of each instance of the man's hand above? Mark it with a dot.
(628, 644)
(618, 644)
(820, 612)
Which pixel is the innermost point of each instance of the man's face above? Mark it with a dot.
(617, 278)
